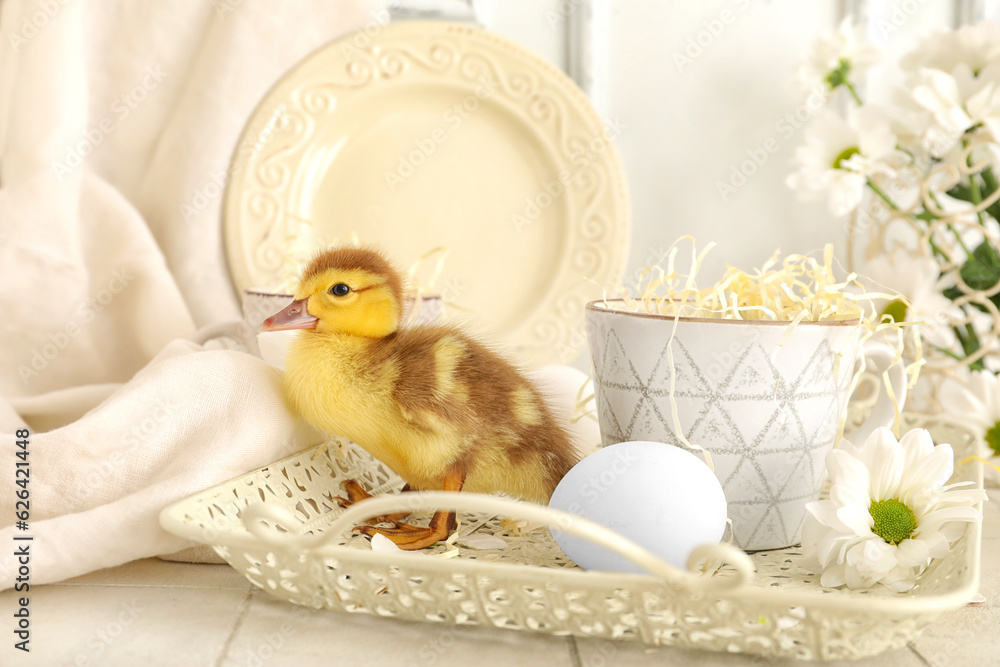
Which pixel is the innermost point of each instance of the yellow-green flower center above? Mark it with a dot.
(896, 310)
(845, 155)
(993, 438)
(894, 521)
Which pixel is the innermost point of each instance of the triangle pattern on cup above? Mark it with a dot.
(616, 370)
(747, 380)
(611, 429)
(793, 514)
(817, 375)
(825, 429)
(683, 368)
(746, 481)
(715, 430)
(648, 424)
(798, 479)
(771, 528)
(782, 427)
(753, 376)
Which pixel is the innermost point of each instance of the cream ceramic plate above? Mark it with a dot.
(438, 134)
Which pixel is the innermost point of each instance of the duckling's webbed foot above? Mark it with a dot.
(411, 538)
(356, 493)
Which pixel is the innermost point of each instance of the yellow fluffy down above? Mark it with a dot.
(430, 402)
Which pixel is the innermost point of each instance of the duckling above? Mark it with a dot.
(438, 407)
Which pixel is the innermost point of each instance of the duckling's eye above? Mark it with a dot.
(340, 289)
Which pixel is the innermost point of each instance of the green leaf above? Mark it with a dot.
(994, 210)
(970, 343)
(982, 270)
(989, 182)
(989, 187)
(961, 191)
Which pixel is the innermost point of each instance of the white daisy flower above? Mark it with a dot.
(889, 512)
(839, 156)
(976, 46)
(984, 108)
(975, 399)
(908, 120)
(919, 280)
(954, 102)
(938, 94)
(838, 59)
(957, 84)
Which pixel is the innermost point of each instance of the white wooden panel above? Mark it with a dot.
(991, 10)
(538, 24)
(702, 89)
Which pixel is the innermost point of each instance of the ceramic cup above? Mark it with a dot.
(767, 415)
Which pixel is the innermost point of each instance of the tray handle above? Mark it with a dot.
(578, 526)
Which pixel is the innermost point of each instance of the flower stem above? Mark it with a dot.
(937, 251)
(950, 353)
(975, 193)
(891, 204)
(958, 237)
(882, 195)
(977, 197)
(951, 227)
(853, 92)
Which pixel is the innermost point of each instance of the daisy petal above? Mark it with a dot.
(937, 544)
(845, 468)
(934, 469)
(879, 556)
(856, 519)
(857, 579)
(913, 552)
(900, 579)
(916, 444)
(833, 576)
(953, 531)
(833, 548)
(850, 494)
(824, 511)
(880, 437)
(846, 445)
(934, 520)
(885, 465)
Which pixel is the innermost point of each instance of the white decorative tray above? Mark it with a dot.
(281, 528)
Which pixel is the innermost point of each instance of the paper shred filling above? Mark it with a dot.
(794, 290)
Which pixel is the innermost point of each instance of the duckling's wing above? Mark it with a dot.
(447, 382)
(439, 373)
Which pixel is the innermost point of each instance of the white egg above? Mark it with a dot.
(660, 496)
(560, 386)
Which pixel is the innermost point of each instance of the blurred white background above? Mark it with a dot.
(699, 88)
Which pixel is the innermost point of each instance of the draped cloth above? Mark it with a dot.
(118, 120)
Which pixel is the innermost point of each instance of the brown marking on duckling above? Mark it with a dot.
(357, 259)
(437, 406)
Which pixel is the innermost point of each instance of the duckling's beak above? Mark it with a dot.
(294, 316)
